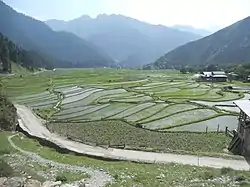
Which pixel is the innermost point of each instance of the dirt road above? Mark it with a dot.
(32, 125)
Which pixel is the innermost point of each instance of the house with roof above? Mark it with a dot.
(233, 76)
(240, 143)
(214, 76)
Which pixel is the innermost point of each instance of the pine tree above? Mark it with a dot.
(5, 57)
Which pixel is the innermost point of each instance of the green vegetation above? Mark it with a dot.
(128, 130)
(117, 133)
(25, 165)
(46, 113)
(66, 177)
(5, 169)
(5, 148)
(105, 94)
(8, 116)
(129, 174)
(59, 49)
(61, 178)
(200, 52)
(14, 57)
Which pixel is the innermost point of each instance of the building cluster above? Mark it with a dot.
(213, 76)
(216, 76)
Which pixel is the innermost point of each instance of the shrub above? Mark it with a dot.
(208, 175)
(116, 176)
(61, 178)
(5, 169)
(8, 116)
(224, 171)
(240, 178)
(244, 183)
(139, 125)
(4, 152)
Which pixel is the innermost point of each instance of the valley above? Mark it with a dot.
(161, 111)
(88, 98)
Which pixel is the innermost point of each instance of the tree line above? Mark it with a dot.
(8, 115)
(12, 53)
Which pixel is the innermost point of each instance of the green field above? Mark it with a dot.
(146, 175)
(132, 102)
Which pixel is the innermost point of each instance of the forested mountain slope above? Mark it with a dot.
(227, 46)
(12, 53)
(63, 47)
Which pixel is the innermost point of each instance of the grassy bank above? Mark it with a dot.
(147, 175)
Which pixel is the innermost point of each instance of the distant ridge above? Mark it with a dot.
(68, 49)
(130, 42)
(227, 46)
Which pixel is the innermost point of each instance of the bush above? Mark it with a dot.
(4, 152)
(244, 183)
(8, 116)
(240, 178)
(5, 169)
(208, 175)
(139, 125)
(61, 178)
(116, 176)
(224, 171)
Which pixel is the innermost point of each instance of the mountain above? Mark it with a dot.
(191, 29)
(129, 41)
(11, 53)
(35, 35)
(227, 46)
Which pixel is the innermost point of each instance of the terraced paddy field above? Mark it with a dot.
(150, 110)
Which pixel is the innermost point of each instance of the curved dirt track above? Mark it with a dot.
(33, 126)
(97, 178)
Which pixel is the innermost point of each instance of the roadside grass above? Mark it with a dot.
(46, 113)
(148, 175)
(5, 147)
(17, 69)
(119, 133)
(22, 166)
(71, 177)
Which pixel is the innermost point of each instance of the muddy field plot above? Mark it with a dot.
(142, 110)
(154, 105)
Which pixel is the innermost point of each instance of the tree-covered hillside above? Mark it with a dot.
(8, 115)
(228, 46)
(10, 52)
(66, 49)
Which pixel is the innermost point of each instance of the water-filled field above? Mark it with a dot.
(155, 100)
(158, 101)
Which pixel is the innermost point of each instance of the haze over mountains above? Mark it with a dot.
(227, 46)
(111, 40)
(66, 49)
(131, 43)
(187, 28)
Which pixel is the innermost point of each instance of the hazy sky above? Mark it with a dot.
(207, 14)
